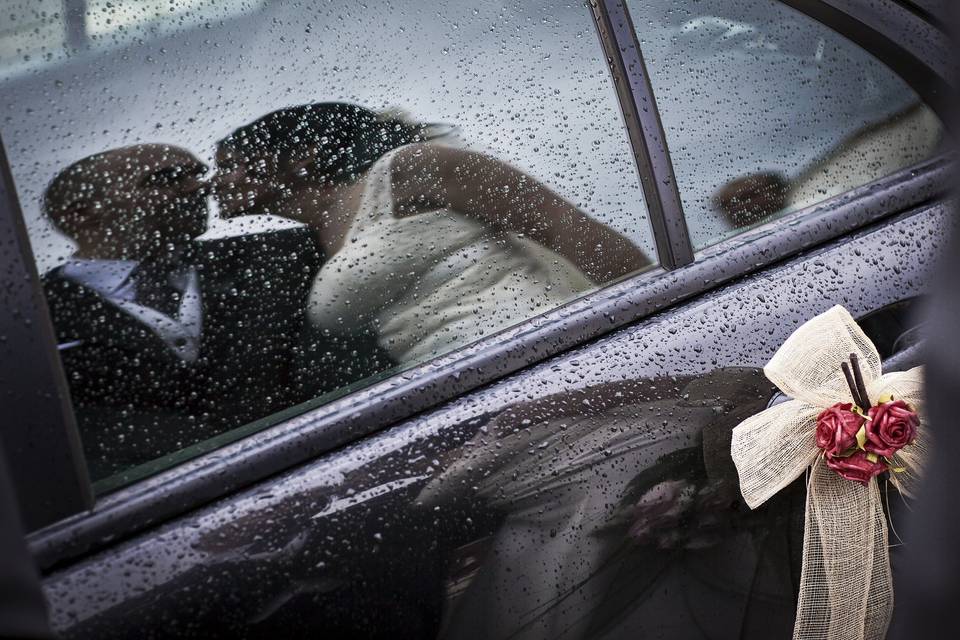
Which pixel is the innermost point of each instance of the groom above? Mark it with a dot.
(168, 339)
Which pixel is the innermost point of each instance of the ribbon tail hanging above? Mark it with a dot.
(846, 588)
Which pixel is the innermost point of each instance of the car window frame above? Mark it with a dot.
(679, 277)
(40, 434)
(638, 106)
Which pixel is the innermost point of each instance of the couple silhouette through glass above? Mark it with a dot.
(405, 249)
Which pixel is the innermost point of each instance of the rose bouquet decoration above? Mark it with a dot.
(847, 423)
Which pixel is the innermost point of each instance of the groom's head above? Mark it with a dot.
(136, 202)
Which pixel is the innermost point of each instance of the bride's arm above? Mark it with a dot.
(426, 176)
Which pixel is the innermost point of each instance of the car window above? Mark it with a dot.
(767, 111)
(244, 208)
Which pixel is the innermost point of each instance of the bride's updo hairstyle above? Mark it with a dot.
(338, 140)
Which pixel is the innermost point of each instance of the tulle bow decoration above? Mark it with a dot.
(847, 423)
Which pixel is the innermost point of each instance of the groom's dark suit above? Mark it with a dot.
(137, 399)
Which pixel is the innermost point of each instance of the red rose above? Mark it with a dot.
(856, 467)
(837, 428)
(892, 426)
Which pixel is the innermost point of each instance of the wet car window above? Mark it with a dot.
(243, 208)
(767, 111)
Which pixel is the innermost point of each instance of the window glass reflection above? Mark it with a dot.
(767, 111)
(251, 215)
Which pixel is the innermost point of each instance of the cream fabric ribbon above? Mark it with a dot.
(846, 590)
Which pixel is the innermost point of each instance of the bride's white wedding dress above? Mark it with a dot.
(433, 281)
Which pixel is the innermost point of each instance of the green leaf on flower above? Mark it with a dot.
(862, 437)
(872, 457)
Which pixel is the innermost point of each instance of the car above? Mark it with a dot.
(546, 456)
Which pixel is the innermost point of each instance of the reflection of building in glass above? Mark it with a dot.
(42, 32)
(31, 34)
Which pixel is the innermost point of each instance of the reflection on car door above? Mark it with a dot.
(591, 496)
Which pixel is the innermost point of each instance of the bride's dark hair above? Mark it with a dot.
(343, 139)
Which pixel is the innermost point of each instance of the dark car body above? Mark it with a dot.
(567, 478)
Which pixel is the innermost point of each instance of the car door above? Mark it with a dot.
(567, 477)
(591, 496)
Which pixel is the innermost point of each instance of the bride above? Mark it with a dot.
(432, 246)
